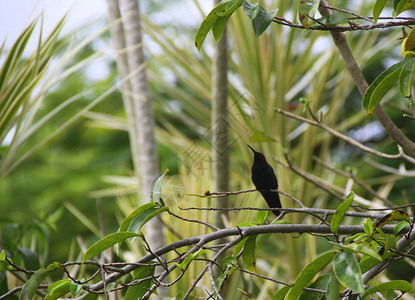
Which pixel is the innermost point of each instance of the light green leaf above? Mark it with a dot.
(348, 272)
(251, 10)
(75, 289)
(362, 247)
(134, 221)
(340, 212)
(261, 216)
(192, 256)
(107, 242)
(282, 292)
(156, 195)
(397, 285)
(332, 292)
(262, 20)
(219, 27)
(2, 255)
(208, 23)
(30, 287)
(380, 86)
(394, 215)
(230, 7)
(248, 255)
(321, 283)
(398, 227)
(406, 78)
(58, 289)
(138, 290)
(238, 247)
(308, 273)
(260, 137)
(306, 11)
(368, 226)
(404, 5)
(332, 19)
(377, 9)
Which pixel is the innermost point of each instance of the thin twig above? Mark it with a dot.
(347, 139)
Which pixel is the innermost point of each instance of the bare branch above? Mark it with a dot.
(347, 139)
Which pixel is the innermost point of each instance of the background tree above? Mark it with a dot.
(285, 97)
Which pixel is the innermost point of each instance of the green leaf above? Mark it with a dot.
(219, 27)
(230, 7)
(406, 78)
(75, 289)
(397, 285)
(2, 255)
(340, 212)
(308, 273)
(260, 137)
(53, 267)
(398, 227)
(332, 292)
(306, 11)
(380, 86)
(362, 247)
(377, 9)
(282, 292)
(332, 19)
(134, 221)
(251, 10)
(261, 216)
(404, 5)
(30, 287)
(157, 188)
(192, 256)
(208, 23)
(238, 247)
(58, 289)
(248, 255)
(408, 45)
(320, 283)
(138, 290)
(107, 242)
(348, 272)
(368, 226)
(262, 20)
(394, 215)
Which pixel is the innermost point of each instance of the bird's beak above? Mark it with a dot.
(251, 149)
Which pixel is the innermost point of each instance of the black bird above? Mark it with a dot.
(264, 179)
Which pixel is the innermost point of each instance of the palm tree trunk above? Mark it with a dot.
(139, 109)
(220, 125)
